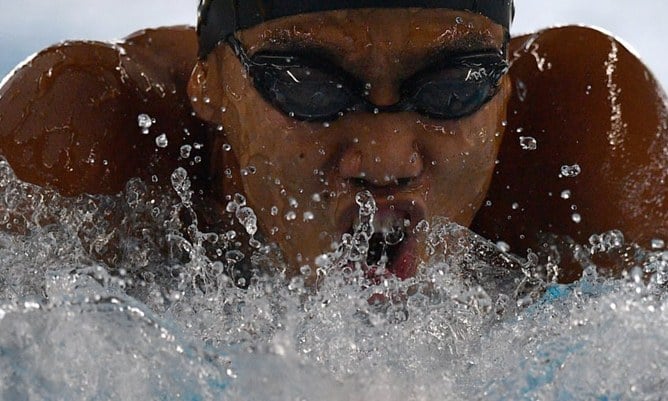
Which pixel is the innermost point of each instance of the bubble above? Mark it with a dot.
(566, 194)
(290, 216)
(576, 217)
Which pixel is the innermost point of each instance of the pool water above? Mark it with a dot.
(107, 298)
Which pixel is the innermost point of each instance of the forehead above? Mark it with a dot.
(403, 31)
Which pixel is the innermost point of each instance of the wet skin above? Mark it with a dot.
(68, 120)
(416, 167)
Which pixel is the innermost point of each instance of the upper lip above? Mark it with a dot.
(409, 207)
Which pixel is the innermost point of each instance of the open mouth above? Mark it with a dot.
(392, 247)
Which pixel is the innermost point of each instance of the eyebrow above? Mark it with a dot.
(466, 44)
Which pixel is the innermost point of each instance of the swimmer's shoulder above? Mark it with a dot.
(69, 117)
(595, 111)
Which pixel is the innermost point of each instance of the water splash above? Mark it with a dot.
(125, 297)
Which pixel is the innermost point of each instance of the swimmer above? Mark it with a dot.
(299, 106)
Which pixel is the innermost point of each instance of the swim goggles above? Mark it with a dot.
(310, 89)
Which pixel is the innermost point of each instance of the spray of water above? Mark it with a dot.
(125, 297)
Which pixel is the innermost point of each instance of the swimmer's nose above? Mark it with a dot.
(382, 161)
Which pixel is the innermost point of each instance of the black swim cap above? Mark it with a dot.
(220, 18)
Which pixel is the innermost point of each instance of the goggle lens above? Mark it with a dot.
(306, 89)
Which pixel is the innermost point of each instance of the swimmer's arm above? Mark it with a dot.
(589, 101)
(69, 117)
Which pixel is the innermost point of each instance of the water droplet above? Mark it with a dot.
(234, 256)
(422, 226)
(571, 171)
(161, 141)
(503, 246)
(239, 199)
(305, 270)
(658, 244)
(522, 90)
(247, 218)
(366, 202)
(185, 151)
(528, 143)
(144, 121)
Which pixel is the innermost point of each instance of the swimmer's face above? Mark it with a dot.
(301, 177)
